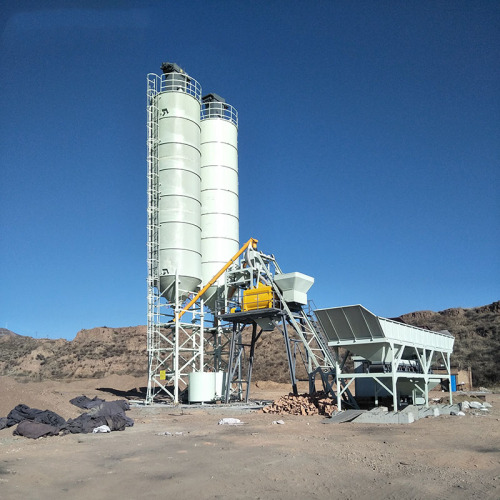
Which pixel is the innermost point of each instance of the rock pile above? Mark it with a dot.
(304, 404)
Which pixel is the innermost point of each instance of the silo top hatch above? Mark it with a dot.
(175, 79)
(167, 67)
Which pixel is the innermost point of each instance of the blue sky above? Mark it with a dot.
(368, 148)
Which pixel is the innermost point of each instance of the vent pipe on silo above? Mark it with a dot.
(179, 163)
(219, 189)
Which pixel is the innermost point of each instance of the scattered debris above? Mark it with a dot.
(230, 421)
(279, 422)
(305, 404)
(475, 405)
(101, 428)
(172, 433)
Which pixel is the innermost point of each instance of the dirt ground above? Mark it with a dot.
(434, 458)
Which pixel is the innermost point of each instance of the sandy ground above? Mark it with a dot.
(443, 457)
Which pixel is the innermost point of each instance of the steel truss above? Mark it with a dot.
(302, 334)
(418, 381)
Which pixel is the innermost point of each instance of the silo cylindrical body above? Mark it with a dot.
(219, 190)
(179, 163)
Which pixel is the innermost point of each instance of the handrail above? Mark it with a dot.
(251, 241)
(223, 111)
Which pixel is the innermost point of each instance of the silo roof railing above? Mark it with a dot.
(220, 110)
(180, 82)
(173, 82)
(349, 325)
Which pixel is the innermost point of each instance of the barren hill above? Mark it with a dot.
(477, 337)
(104, 351)
(93, 353)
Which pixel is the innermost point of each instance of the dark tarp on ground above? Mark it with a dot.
(87, 423)
(34, 430)
(110, 408)
(110, 413)
(86, 403)
(23, 412)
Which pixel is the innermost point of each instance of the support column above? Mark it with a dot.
(250, 360)
(176, 341)
(230, 364)
(449, 377)
(394, 377)
(337, 379)
(290, 360)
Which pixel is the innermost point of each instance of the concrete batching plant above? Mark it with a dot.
(203, 290)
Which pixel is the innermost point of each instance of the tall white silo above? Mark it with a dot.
(179, 134)
(219, 189)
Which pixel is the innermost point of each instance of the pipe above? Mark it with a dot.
(251, 241)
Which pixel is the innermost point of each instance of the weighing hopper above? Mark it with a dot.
(294, 286)
(371, 336)
(399, 357)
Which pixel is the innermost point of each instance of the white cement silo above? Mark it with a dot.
(219, 189)
(179, 215)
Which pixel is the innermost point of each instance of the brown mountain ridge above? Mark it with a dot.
(105, 351)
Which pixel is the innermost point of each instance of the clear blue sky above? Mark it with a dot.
(368, 148)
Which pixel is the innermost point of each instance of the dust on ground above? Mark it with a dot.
(182, 452)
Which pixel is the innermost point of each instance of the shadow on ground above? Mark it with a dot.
(137, 393)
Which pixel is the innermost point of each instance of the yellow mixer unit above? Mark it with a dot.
(258, 298)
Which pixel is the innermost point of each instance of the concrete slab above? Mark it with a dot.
(448, 409)
(344, 416)
(372, 417)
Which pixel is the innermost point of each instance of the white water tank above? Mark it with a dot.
(219, 189)
(201, 387)
(179, 166)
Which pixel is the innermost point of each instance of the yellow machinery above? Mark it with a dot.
(258, 298)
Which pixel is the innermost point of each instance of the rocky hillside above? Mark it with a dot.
(93, 353)
(477, 338)
(103, 351)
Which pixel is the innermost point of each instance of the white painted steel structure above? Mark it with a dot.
(175, 348)
(219, 191)
(401, 354)
(179, 344)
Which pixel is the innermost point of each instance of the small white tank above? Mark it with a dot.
(179, 181)
(219, 189)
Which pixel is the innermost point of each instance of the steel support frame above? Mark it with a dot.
(424, 356)
(319, 359)
(175, 348)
